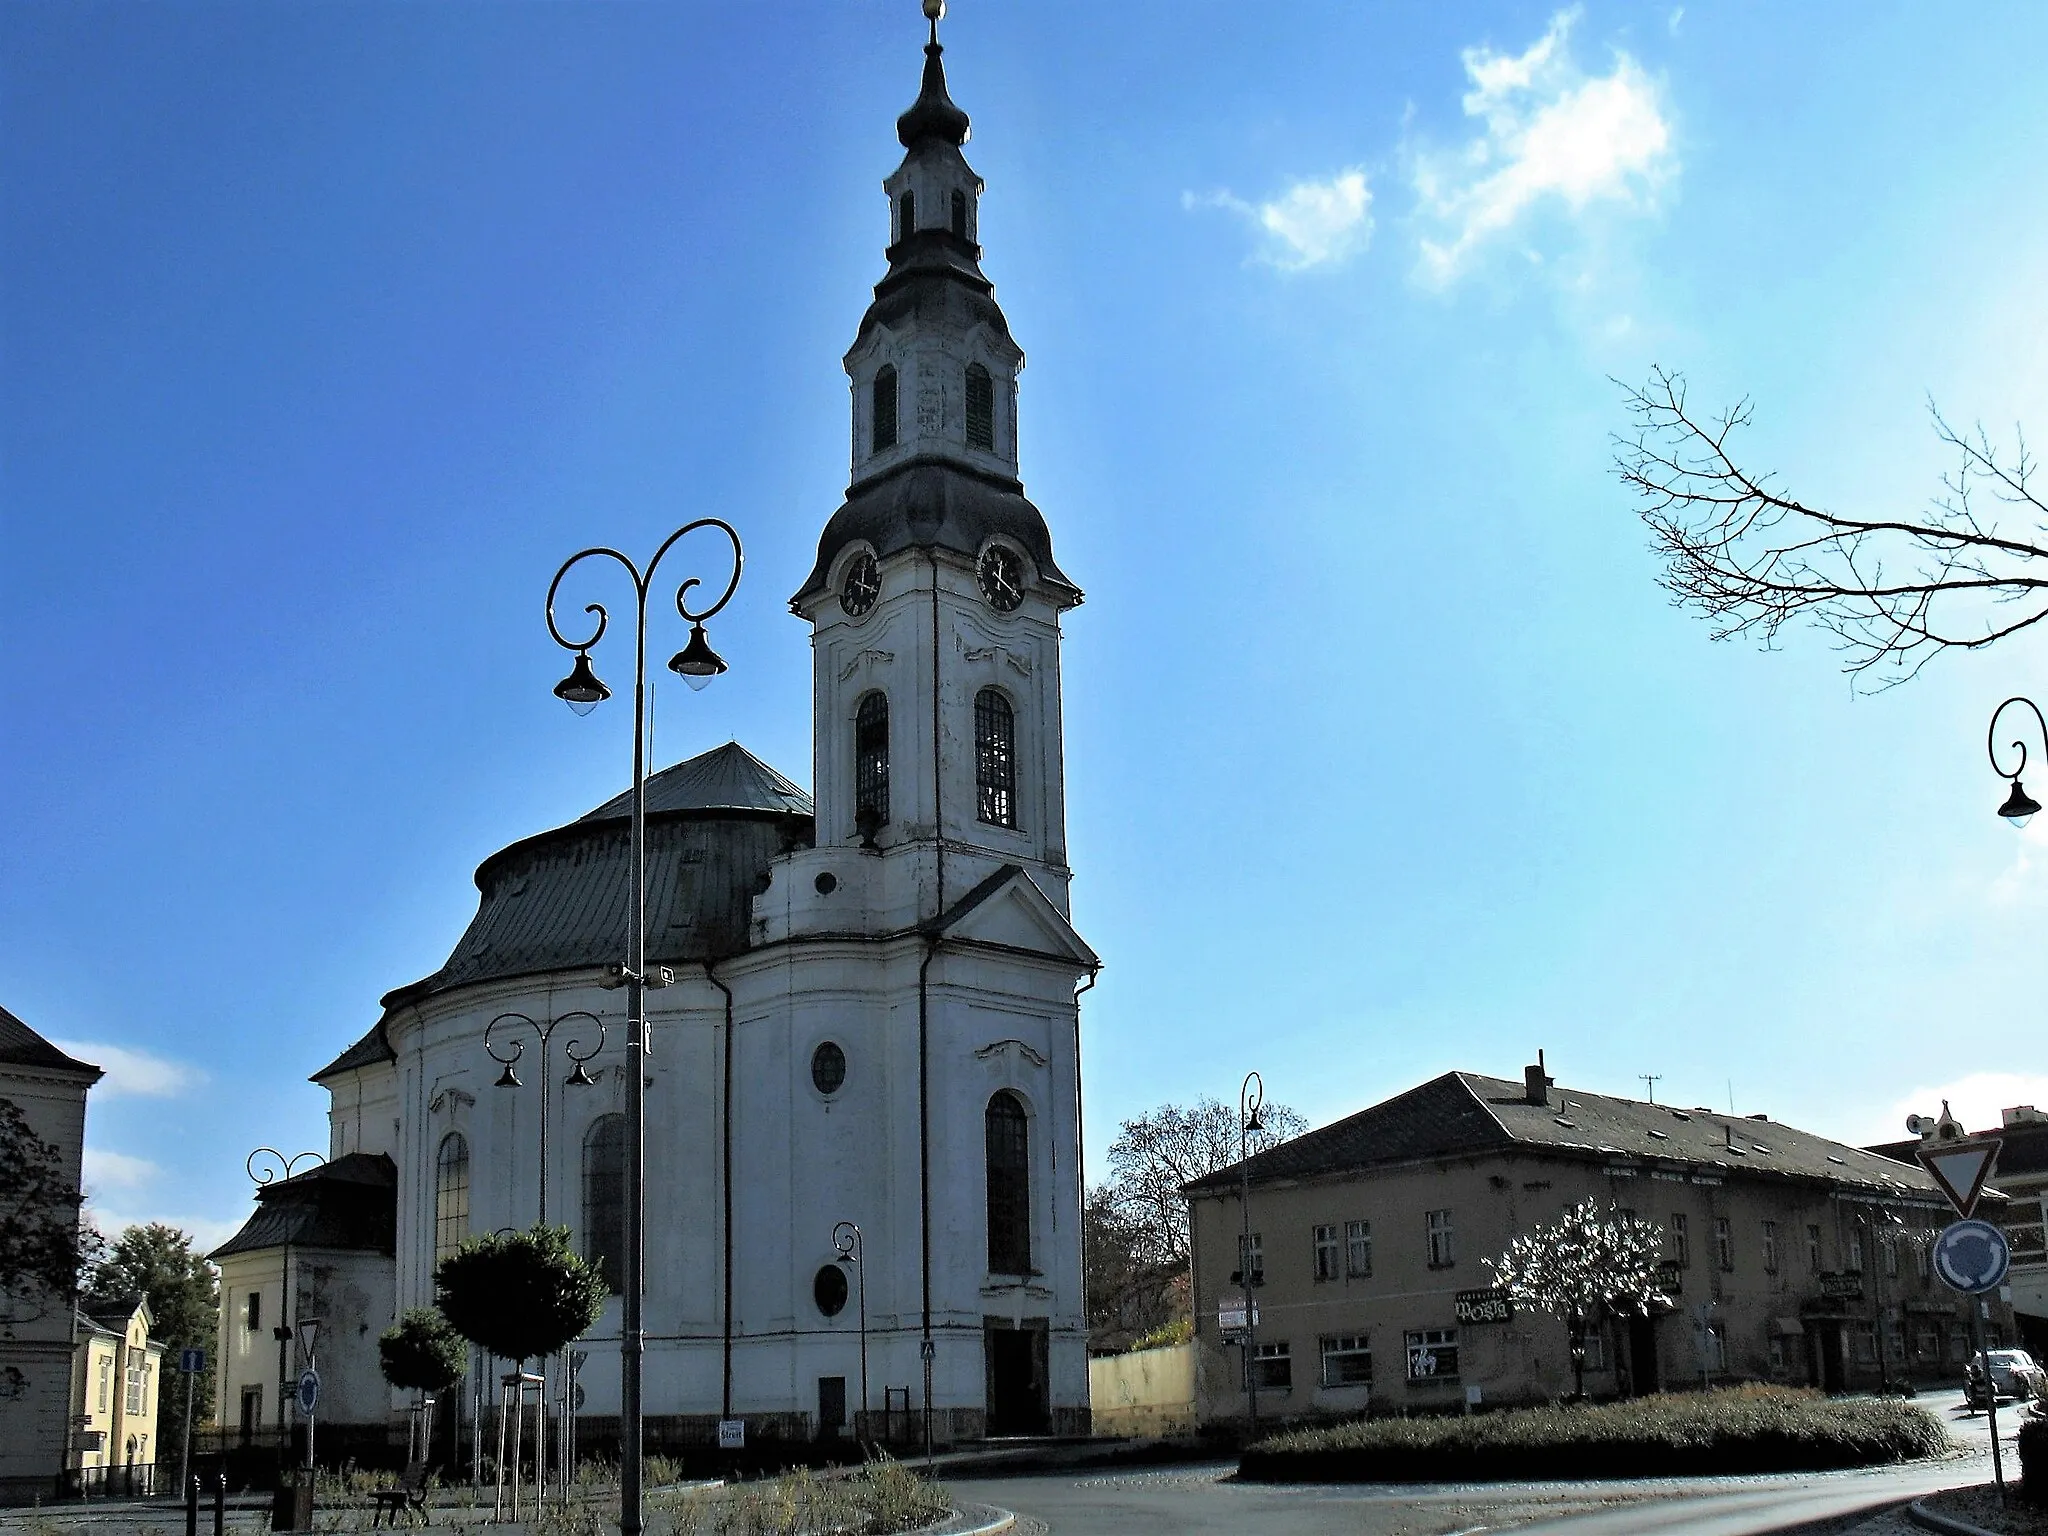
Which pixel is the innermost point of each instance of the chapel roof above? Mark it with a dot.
(350, 1202)
(21, 1046)
(1465, 1114)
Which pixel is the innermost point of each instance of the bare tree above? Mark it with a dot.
(1964, 571)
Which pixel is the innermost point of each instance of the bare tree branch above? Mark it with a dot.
(1892, 592)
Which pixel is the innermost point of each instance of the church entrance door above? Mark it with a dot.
(831, 1407)
(1017, 1400)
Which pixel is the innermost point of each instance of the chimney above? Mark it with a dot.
(1535, 1084)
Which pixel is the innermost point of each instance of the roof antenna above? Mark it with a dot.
(1650, 1081)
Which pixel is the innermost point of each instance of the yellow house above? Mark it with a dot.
(115, 1374)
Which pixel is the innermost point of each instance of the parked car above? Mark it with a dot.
(2013, 1373)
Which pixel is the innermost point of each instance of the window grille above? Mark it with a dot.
(995, 759)
(1275, 1368)
(871, 760)
(604, 1199)
(882, 430)
(1770, 1247)
(451, 1196)
(1433, 1354)
(1358, 1249)
(1678, 1241)
(1008, 1145)
(1724, 1244)
(1347, 1360)
(981, 408)
(1441, 1254)
(906, 215)
(960, 213)
(1251, 1259)
(1326, 1252)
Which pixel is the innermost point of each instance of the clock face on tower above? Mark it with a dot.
(1001, 574)
(863, 584)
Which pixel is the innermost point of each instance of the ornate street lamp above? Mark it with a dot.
(573, 1047)
(267, 1166)
(582, 691)
(1251, 1094)
(2019, 807)
(846, 1238)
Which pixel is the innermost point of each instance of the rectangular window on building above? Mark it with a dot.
(1347, 1361)
(1596, 1350)
(1441, 1254)
(1326, 1252)
(1770, 1247)
(1855, 1252)
(131, 1397)
(1958, 1343)
(1678, 1241)
(1891, 1256)
(1775, 1346)
(1927, 1341)
(1358, 1249)
(1717, 1347)
(1433, 1354)
(1866, 1343)
(252, 1412)
(1895, 1341)
(1813, 1248)
(1724, 1244)
(1251, 1261)
(106, 1381)
(1923, 1256)
(1275, 1367)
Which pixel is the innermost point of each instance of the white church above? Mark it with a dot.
(874, 1017)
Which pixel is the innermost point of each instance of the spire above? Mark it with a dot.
(933, 115)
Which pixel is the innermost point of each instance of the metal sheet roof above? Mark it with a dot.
(351, 1202)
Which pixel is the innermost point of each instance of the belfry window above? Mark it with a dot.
(604, 1199)
(451, 1199)
(995, 759)
(883, 434)
(871, 761)
(906, 215)
(1008, 1133)
(981, 408)
(960, 213)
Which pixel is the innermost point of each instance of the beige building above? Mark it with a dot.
(116, 1373)
(1784, 1254)
(37, 1330)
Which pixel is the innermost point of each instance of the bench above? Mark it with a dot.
(410, 1494)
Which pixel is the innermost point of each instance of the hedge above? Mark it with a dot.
(1743, 1429)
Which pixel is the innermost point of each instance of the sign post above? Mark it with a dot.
(190, 1363)
(1971, 1256)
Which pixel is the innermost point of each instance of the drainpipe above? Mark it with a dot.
(725, 1191)
(926, 1348)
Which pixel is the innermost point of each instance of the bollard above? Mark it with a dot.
(192, 1507)
(220, 1505)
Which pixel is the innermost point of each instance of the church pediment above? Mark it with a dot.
(1009, 911)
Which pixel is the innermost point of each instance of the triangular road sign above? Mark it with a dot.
(1962, 1169)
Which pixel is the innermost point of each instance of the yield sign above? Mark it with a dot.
(1962, 1169)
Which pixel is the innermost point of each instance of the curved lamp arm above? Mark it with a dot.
(276, 1166)
(846, 1239)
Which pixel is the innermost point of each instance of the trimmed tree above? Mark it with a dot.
(1587, 1265)
(421, 1352)
(520, 1295)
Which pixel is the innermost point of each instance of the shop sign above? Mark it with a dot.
(1487, 1306)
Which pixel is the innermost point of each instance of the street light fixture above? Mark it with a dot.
(846, 1238)
(582, 691)
(2019, 807)
(574, 1048)
(1251, 1094)
(266, 1166)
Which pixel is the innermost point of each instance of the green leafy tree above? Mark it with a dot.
(1587, 1265)
(520, 1295)
(183, 1292)
(44, 1249)
(421, 1352)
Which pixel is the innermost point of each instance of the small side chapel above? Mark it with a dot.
(875, 1014)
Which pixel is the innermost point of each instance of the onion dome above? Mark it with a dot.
(932, 115)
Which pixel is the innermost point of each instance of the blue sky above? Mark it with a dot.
(330, 329)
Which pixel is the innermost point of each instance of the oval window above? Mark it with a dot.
(828, 1068)
(829, 1290)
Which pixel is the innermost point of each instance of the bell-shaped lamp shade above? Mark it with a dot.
(696, 663)
(1256, 1123)
(579, 1078)
(508, 1078)
(582, 690)
(2019, 807)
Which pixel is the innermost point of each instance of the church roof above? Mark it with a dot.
(350, 1202)
(21, 1046)
(562, 899)
(932, 115)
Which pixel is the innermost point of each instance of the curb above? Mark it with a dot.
(1948, 1525)
(994, 1522)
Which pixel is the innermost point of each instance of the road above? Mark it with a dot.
(1199, 1499)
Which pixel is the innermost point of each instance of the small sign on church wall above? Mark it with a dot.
(732, 1434)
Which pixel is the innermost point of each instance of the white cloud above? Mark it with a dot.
(116, 1170)
(133, 1072)
(1976, 1099)
(1311, 224)
(1552, 134)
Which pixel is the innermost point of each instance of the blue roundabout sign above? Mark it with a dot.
(1972, 1257)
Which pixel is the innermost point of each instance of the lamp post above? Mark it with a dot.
(846, 1238)
(1884, 1227)
(1251, 1094)
(582, 691)
(275, 1168)
(573, 1048)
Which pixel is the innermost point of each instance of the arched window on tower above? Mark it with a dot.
(871, 762)
(884, 401)
(906, 215)
(981, 408)
(604, 1199)
(1008, 1136)
(995, 759)
(451, 1195)
(960, 213)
